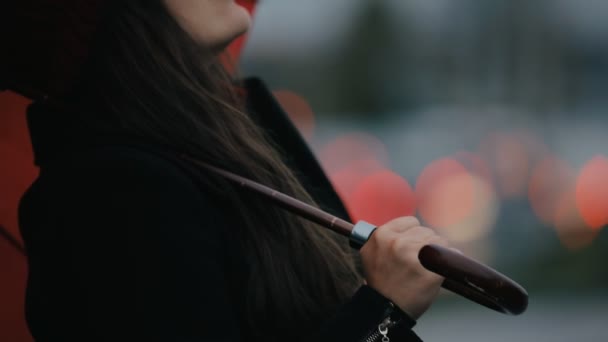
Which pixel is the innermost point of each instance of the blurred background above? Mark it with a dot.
(483, 118)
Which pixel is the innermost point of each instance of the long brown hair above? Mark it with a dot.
(148, 78)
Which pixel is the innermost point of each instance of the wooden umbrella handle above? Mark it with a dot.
(474, 280)
(463, 276)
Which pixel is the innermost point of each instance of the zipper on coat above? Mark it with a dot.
(380, 333)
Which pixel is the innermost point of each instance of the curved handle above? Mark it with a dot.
(474, 280)
(463, 275)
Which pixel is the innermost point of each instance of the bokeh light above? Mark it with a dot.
(460, 204)
(552, 195)
(352, 147)
(357, 165)
(299, 111)
(347, 178)
(381, 197)
(445, 192)
(592, 192)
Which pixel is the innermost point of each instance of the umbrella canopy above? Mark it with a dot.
(36, 61)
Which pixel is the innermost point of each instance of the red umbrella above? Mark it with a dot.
(28, 62)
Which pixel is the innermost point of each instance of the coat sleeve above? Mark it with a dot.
(362, 314)
(147, 249)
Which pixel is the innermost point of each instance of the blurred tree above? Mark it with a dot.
(362, 71)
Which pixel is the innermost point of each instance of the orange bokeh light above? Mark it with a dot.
(592, 192)
(461, 204)
(381, 197)
(299, 111)
(445, 192)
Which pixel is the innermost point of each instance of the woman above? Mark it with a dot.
(125, 242)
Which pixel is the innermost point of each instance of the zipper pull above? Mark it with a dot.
(383, 329)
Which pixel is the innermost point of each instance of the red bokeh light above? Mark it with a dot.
(357, 164)
(381, 197)
(348, 178)
(299, 111)
(592, 192)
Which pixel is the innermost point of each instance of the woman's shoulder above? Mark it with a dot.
(116, 161)
(117, 177)
(118, 165)
(123, 192)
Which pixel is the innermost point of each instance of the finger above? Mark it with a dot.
(438, 240)
(457, 250)
(414, 240)
(402, 224)
(384, 236)
(420, 234)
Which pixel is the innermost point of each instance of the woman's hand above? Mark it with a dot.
(391, 265)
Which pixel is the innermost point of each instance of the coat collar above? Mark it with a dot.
(296, 153)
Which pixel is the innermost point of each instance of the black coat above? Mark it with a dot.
(116, 250)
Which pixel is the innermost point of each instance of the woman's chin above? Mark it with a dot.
(240, 24)
(238, 27)
(242, 19)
